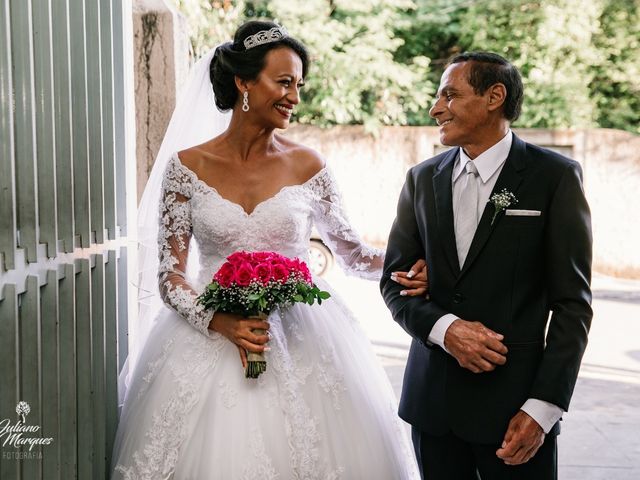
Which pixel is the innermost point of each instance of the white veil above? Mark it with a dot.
(195, 120)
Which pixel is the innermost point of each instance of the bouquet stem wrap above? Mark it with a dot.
(256, 362)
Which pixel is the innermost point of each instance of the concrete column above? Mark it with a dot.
(161, 56)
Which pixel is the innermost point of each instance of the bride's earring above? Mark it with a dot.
(245, 101)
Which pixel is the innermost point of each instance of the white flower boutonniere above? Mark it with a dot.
(501, 201)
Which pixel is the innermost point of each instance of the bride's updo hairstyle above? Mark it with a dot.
(233, 59)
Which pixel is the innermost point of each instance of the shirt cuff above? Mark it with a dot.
(545, 413)
(436, 335)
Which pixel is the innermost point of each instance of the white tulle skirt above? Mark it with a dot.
(324, 409)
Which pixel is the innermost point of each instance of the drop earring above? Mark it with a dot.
(245, 101)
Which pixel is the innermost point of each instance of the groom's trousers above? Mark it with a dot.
(448, 457)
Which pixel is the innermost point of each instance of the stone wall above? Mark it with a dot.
(161, 56)
(612, 183)
(371, 171)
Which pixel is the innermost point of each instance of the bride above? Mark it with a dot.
(324, 409)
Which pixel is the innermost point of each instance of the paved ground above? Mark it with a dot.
(601, 433)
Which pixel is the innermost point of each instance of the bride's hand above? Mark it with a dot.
(238, 330)
(416, 280)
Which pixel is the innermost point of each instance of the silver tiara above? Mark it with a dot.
(265, 36)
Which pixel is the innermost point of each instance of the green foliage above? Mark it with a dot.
(430, 29)
(210, 22)
(256, 298)
(550, 42)
(378, 62)
(614, 83)
(580, 60)
(354, 78)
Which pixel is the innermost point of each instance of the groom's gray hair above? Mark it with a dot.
(486, 70)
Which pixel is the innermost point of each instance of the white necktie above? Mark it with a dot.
(466, 219)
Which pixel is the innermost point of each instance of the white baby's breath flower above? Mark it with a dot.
(501, 201)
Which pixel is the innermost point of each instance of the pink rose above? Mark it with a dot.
(263, 272)
(225, 275)
(280, 272)
(300, 268)
(262, 257)
(238, 258)
(277, 260)
(244, 274)
(290, 264)
(304, 270)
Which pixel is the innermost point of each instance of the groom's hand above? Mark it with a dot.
(521, 442)
(474, 346)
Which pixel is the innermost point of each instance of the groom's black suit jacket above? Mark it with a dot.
(518, 269)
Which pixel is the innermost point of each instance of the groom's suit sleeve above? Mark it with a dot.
(405, 246)
(568, 276)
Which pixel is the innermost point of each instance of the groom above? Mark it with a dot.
(505, 228)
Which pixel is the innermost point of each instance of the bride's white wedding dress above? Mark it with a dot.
(324, 409)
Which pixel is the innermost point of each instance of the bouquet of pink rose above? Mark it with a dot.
(252, 284)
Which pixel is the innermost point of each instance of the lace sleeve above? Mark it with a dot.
(174, 234)
(331, 221)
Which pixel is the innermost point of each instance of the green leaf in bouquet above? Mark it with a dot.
(324, 295)
(298, 298)
(262, 303)
(253, 297)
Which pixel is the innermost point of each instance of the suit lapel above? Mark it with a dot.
(509, 179)
(444, 208)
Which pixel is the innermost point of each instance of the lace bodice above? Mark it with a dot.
(219, 227)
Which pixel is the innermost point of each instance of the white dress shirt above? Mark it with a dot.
(489, 164)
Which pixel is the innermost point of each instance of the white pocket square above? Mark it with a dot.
(522, 213)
